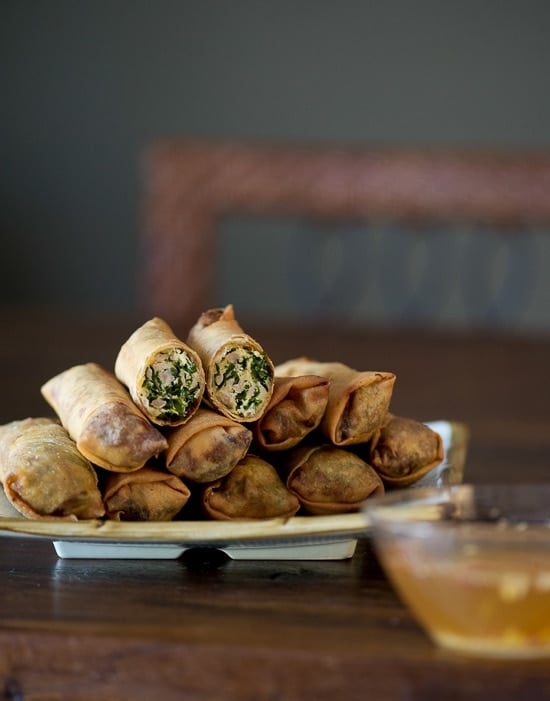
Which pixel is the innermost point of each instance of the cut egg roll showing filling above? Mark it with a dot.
(239, 374)
(164, 376)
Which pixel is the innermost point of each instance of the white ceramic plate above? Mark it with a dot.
(298, 538)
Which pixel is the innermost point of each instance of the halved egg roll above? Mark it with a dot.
(358, 401)
(330, 480)
(43, 473)
(149, 494)
(252, 490)
(163, 374)
(296, 409)
(207, 447)
(101, 417)
(404, 450)
(239, 374)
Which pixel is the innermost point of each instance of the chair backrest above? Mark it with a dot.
(190, 186)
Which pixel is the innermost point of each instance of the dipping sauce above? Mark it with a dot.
(489, 601)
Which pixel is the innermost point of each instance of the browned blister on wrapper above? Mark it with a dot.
(149, 494)
(101, 417)
(252, 490)
(404, 450)
(207, 447)
(330, 480)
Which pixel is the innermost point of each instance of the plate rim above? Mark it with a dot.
(189, 532)
(222, 533)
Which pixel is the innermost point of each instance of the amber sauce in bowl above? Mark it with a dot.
(476, 577)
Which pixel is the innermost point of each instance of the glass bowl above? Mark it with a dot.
(472, 562)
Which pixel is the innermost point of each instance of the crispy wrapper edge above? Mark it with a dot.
(283, 386)
(203, 419)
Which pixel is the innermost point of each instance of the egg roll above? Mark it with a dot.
(43, 473)
(296, 409)
(404, 450)
(358, 401)
(207, 447)
(101, 417)
(330, 480)
(252, 490)
(239, 373)
(149, 494)
(164, 376)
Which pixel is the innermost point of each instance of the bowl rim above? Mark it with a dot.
(411, 494)
(464, 507)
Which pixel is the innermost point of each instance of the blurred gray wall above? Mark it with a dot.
(86, 84)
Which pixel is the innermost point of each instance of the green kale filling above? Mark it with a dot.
(261, 370)
(245, 401)
(230, 373)
(175, 399)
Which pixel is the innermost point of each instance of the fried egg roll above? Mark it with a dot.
(330, 480)
(101, 417)
(207, 447)
(149, 494)
(43, 473)
(164, 375)
(404, 450)
(239, 374)
(358, 401)
(296, 409)
(252, 490)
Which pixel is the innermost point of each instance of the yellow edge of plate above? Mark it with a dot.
(189, 531)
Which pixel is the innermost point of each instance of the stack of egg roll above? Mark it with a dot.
(210, 428)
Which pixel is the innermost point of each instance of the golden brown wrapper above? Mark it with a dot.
(150, 494)
(358, 401)
(43, 473)
(153, 344)
(330, 480)
(220, 341)
(207, 447)
(101, 417)
(404, 450)
(252, 490)
(296, 409)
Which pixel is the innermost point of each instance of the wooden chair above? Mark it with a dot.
(190, 186)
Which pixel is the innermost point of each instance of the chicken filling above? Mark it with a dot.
(243, 380)
(171, 386)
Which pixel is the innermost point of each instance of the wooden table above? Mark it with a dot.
(203, 627)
